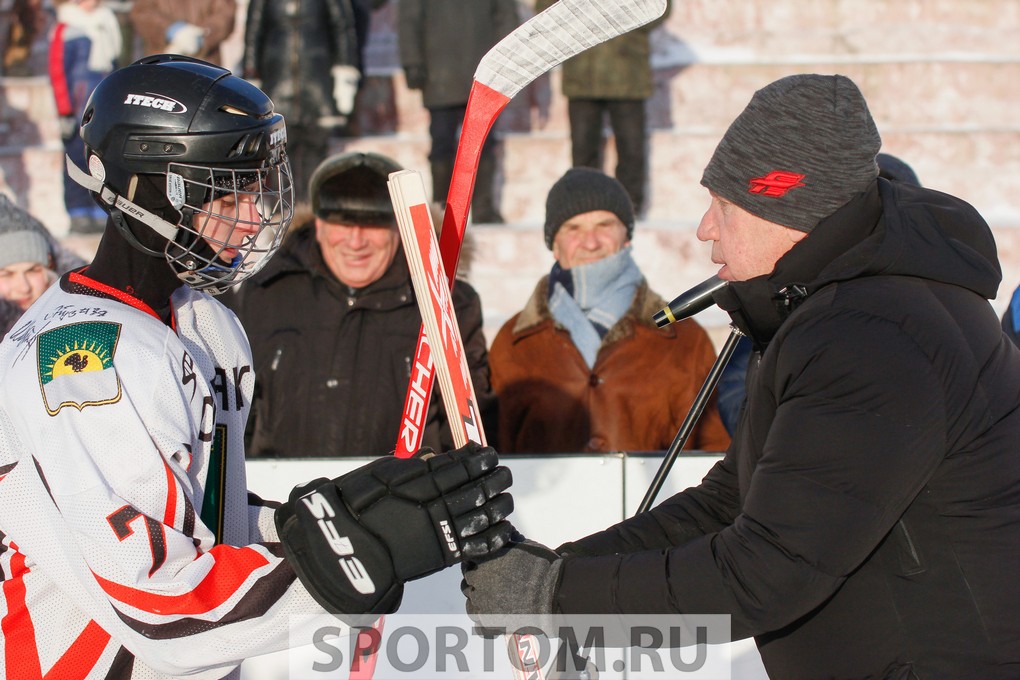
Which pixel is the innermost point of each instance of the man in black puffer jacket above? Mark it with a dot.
(865, 522)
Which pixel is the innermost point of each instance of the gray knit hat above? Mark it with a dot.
(804, 146)
(583, 190)
(20, 239)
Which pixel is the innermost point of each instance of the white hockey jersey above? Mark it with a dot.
(128, 547)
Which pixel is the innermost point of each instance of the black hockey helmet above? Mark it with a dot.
(198, 133)
(350, 188)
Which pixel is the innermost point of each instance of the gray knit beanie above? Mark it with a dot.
(804, 146)
(583, 190)
(20, 240)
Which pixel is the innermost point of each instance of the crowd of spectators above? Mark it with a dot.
(333, 318)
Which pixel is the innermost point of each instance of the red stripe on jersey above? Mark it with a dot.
(79, 278)
(21, 656)
(82, 656)
(170, 513)
(231, 569)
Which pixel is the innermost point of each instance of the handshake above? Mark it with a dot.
(355, 540)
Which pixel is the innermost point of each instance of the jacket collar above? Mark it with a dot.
(839, 248)
(536, 315)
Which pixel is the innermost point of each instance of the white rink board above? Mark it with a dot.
(556, 498)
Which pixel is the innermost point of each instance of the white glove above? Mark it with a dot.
(185, 38)
(345, 86)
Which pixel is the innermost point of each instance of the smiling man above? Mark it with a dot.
(333, 323)
(569, 369)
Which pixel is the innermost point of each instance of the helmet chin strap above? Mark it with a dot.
(120, 205)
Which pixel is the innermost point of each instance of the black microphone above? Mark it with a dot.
(690, 303)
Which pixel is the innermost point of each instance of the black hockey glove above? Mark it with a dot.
(353, 541)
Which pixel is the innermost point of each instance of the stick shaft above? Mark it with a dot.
(697, 408)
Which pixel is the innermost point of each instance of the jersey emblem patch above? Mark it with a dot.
(76, 365)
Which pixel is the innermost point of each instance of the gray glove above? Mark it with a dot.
(519, 581)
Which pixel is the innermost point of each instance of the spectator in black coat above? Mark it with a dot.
(333, 323)
(304, 54)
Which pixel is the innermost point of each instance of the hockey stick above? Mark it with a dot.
(566, 28)
(407, 191)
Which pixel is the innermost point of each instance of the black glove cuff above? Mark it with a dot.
(345, 568)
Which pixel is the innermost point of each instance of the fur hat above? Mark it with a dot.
(804, 146)
(351, 187)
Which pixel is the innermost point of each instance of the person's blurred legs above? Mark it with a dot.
(443, 125)
(627, 118)
(585, 132)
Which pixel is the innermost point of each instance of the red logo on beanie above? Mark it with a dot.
(775, 184)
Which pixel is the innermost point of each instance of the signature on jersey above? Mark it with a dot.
(24, 335)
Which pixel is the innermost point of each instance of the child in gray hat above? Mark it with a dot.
(30, 261)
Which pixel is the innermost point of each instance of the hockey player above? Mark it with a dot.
(129, 546)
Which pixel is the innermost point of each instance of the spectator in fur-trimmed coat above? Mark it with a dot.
(582, 367)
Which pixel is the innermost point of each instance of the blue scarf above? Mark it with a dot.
(589, 299)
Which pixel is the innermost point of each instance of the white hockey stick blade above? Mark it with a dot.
(551, 37)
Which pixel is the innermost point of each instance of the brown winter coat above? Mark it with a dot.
(151, 18)
(644, 381)
(616, 69)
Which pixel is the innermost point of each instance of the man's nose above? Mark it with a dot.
(356, 237)
(707, 230)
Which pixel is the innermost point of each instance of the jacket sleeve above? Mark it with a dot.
(542, 5)
(858, 430)
(709, 433)
(343, 38)
(253, 39)
(262, 519)
(696, 512)
(410, 23)
(149, 23)
(58, 72)
(505, 18)
(468, 307)
(219, 24)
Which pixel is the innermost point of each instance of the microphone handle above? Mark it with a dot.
(697, 408)
(689, 303)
